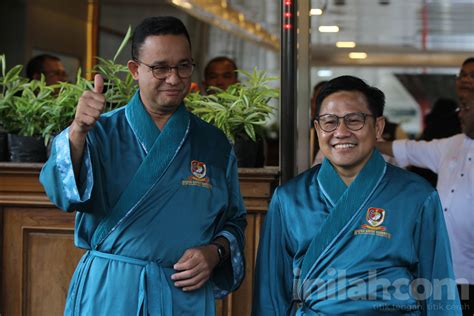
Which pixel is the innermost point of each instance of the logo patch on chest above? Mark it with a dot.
(198, 176)
(375, 217)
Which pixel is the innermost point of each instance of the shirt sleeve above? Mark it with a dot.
(436, 290)
(273, 287)
(421, 154)
(228, 276)
(57, 175)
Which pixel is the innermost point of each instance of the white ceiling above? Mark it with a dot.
(401, 32)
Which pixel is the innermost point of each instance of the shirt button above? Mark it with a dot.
(452, 191)
(445, 209)
(462, 174)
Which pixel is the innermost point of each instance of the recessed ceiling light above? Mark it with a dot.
(182, 3)
(357, 55)
(324, 73)
(315, 12)
(328, 28)
(346, 44)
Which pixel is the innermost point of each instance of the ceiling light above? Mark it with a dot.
(346, 44)
(328, 28)
(324, 73)
(315, 12)
(357, 55)
(183, 4)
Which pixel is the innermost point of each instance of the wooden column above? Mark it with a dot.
(38, 256)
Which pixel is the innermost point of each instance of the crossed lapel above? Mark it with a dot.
(346, 203)
(160, 146)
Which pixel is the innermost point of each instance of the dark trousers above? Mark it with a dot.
(466, 294)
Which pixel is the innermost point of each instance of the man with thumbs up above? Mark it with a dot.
(155, 189)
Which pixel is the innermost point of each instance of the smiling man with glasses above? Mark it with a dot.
(156, 190)
(354, 235)
(452, 159)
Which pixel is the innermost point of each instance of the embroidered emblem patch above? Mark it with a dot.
(374, 217)
(198, 169)
(198, 175)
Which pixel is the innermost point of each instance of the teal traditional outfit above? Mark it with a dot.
(144, 197)
(376, 247)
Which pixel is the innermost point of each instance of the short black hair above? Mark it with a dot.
(468, 61)
(219, 59)
(36, 64)
(157, 25)
(375, 97)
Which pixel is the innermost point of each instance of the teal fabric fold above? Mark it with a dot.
(347, 202)
(141, 123)
(162, 149)
(155, 293)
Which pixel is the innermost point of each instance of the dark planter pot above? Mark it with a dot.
(26, 148)
(3, 147)
(249, 154)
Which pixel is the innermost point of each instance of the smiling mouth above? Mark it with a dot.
(344, 146)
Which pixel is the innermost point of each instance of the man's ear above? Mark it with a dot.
(133, 68)
(379, 127)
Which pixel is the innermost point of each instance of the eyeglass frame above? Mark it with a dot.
(462, 75)
(168, 73)
(463, 108)
(364, 115)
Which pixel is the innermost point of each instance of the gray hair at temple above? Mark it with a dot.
(375, 97)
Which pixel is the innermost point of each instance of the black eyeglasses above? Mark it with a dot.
(353, 121)
(464, 108)
(184, 70)
(467, 75)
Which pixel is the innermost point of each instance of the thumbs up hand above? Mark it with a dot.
(90, 107)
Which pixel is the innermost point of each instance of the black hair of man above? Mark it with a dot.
(219, 59)
(36, 64)
(468, 61)
(375, 98)
(157, 25)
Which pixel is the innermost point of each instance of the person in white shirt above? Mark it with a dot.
(453, 160)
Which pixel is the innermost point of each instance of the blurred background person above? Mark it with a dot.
(441, 122)
(220, 72)
(50, 66)
(452, 159)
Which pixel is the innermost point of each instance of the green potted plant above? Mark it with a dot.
(240, 112)
(22, 105)
(119, 88)
(31, 111)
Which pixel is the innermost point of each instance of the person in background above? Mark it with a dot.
(48, 65)
(441, 122)
(156, 191)
(220, 72)
(452, 159)
(354, 235)
(393, 131)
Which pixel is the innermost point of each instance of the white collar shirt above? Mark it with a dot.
(453, 160)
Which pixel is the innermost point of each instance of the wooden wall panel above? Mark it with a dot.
(39, 259)
(49, 259)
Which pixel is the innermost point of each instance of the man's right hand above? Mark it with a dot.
(90, 107)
